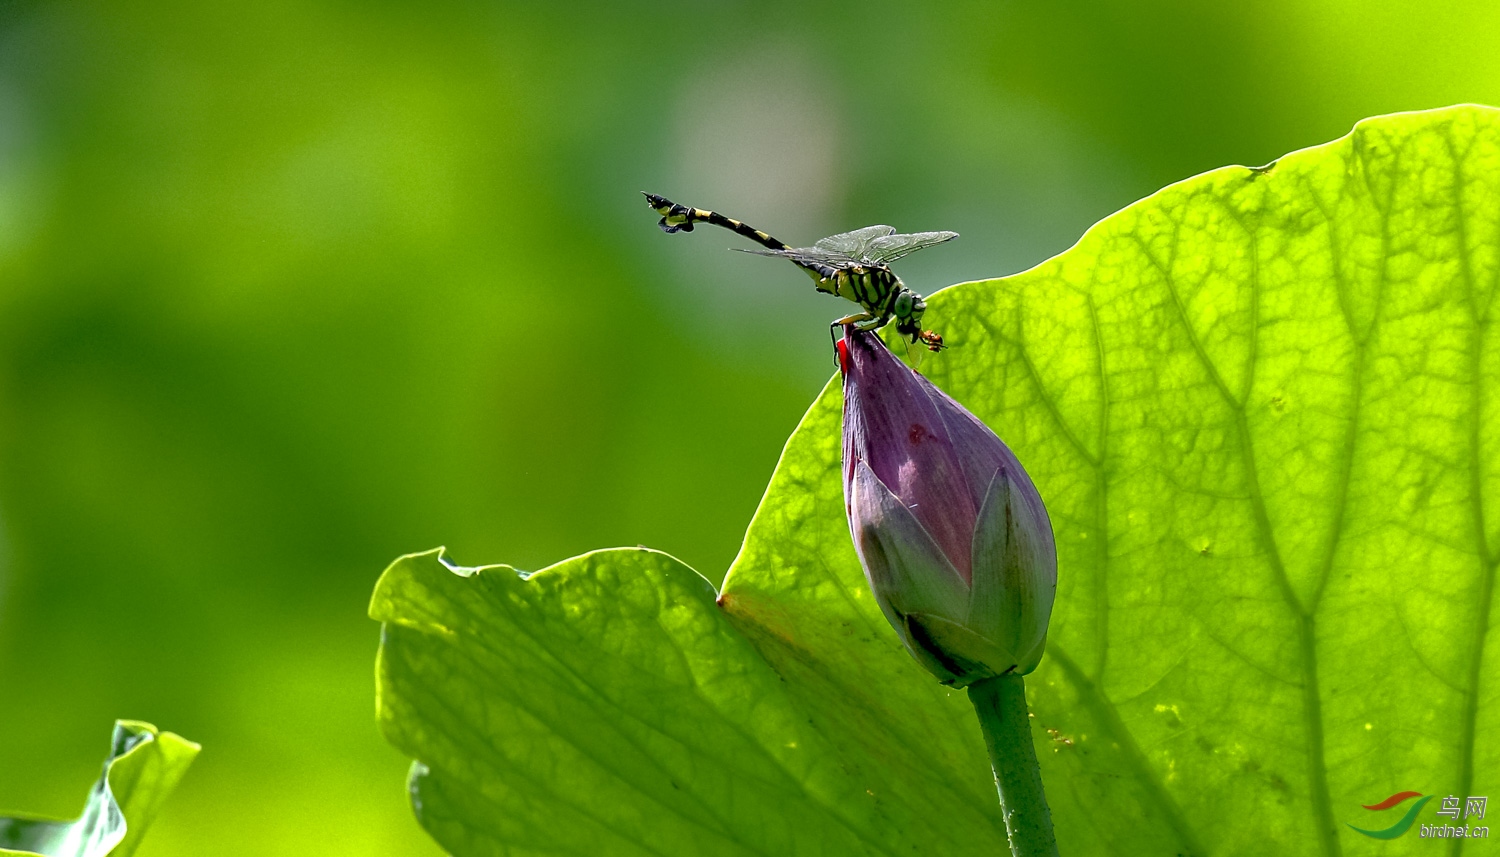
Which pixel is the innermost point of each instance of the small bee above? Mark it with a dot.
(852, 265)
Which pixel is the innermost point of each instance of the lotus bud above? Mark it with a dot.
(950, 530)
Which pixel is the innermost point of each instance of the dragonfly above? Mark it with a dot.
(851, 265)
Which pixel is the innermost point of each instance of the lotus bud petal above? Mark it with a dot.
(950, 530)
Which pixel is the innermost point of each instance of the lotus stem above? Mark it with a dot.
(1001, 705)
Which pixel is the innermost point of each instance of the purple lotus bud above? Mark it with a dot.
(952, 535)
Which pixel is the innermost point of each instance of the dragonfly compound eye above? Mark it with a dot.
(904, 305)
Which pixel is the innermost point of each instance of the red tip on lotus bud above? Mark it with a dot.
(950, 530)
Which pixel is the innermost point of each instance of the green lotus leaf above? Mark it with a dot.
(143, 767)
(1261, 406)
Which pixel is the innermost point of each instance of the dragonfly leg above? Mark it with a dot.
(862, 321)
(858, 319)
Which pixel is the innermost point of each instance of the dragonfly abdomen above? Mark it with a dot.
(680, 218)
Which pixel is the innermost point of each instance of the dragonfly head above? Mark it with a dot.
(908, 309)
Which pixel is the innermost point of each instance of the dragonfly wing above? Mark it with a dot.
(810, 256)
(854, 244)
(888, 248)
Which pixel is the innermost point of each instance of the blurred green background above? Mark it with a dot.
(288, 289)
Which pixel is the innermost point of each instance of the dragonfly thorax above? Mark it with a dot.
(870, 286)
